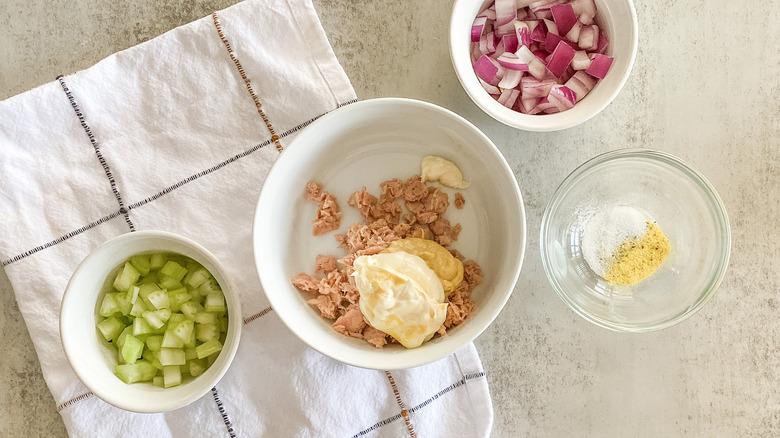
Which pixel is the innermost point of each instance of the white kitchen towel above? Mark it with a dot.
(178, 134)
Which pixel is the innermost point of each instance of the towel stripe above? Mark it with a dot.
(427, 402)
(169, 189)
(61, 239)
(404, 412)
(223, 412)
(247, 82)
(96, 146)
(74, 400)
(262, 313)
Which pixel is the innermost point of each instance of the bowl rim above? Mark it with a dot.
(696, 177)
(537, 122)
(388, 361)
(70, 299)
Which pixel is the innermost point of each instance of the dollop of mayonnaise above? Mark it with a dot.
(435, 168)
(401, 296)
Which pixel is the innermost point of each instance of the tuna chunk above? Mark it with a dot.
(328, 215)
(325, 263)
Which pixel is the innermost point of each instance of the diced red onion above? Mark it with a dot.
(581, 60)
(506, 11)
(564, 17)
(599, 65)
(510, 61)
(511, 79)
(555, 41)
(585, 10)
(491, 89)
(477, 28)
(562, 97)
(574, 33)
(560, 59)
(581, 83)
(486, 68)
(589, 37)
(510, 42)
(522, 33)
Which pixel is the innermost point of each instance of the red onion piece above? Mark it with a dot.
(508, 97)
(491, 42)
(589, 37)
(535, 65)
(562, 97)
(511, 79)
(603, 43)
(581, 83)
(599, 65)
(581, 60)
(522, 33)
(560, 59)
(543, 4)
(550, 26)
(527, 103)
(506, 11)
(585, 10)
(510, 61)
(491, 89)
(574, 33)
(552, 41)
(477, 28)
(564, 17)
(533, 88)
(486, 69)
(510, 42)
(539, 33)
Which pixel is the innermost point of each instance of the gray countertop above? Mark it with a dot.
(705, 87)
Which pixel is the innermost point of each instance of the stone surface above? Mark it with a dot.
(699, 90)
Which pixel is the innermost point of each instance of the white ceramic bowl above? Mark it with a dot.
(93, 359)
(363, 144)
(617, 18)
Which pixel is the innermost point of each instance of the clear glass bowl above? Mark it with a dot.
(686, 208)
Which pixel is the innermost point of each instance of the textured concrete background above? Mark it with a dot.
(704, 87)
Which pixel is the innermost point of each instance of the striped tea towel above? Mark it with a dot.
(178, 134)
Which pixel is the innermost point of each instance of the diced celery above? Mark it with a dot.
(215, 302)
(179, 297)
(172, 356)
(223, 323)
(140, 371)
(121, 339)
(206, 332)
(144, 290)
(158, 381)
(132, 294)
(208, 348)
(170, 340)
(197, 367)
(154, 343)
(189, 353)
(184, 330)
(152, 319)
(167, 282)
(206, 318)
(141, 263)
(176, 318)
(159, 299)
(171, 375)
(158, 260)
(152, 278)
(123, 304)
(190, 309)
(108, 306)
(141, 327)
(131, 349)
(138, 308)
(197, 277)
(110, 328)
(174, 270)
(126, 277)
(207, 286)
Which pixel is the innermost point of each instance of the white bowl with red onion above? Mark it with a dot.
(543, 65)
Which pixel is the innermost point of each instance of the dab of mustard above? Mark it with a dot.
(637, 258)
(448, 269)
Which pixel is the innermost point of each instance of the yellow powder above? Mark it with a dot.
(637, 258)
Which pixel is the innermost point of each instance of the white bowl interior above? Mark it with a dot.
(616, 18)
(93, 359)
(685, 207)
(364, 144)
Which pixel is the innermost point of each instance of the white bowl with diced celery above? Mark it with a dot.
(149, 321)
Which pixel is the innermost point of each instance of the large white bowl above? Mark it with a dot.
(617, 18)
(364, 144)
(93, 359)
